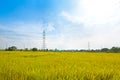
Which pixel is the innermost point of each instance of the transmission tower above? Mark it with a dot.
(44, 44)
(88, 46)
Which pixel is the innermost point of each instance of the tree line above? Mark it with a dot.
(14, 48)
(113, 49)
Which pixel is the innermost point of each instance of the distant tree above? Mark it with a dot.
(12, 48)
(34, 49)
(26, 49)
(104, 50)
(20, 49)
(115, 49)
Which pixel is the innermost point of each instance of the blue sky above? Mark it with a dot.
(69, 24)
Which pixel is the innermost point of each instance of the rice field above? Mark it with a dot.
(21, 65)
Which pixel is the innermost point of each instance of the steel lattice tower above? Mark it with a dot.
(88, 46)
(44, 45)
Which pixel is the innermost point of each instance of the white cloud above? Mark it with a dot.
(69, 17)
(21, 35)
(100, 11)
(94, 12)
(100, 19)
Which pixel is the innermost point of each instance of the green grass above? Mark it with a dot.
(16, 65)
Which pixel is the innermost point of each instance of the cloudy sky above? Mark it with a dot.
(69, 24)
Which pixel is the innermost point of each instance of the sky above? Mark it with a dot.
(69, 24)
